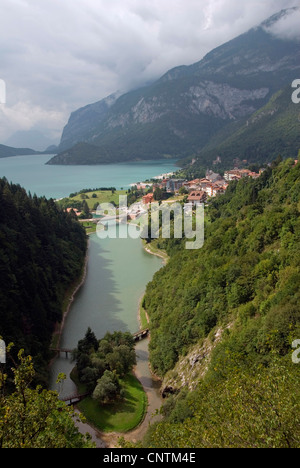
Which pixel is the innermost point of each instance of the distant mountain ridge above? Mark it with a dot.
(182, 112)
(8, 151)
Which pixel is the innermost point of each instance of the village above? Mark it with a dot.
(166, 189)
(198, 190)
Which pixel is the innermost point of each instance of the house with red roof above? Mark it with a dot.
(197, 197)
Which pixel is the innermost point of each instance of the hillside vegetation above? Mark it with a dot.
(242, 287)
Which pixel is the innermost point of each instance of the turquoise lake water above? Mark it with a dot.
(59, 181)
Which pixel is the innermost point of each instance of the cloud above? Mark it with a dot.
(287, 27)
(26, 116)
(59, 55)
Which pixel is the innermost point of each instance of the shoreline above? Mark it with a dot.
(162, 255)
(70, 299)
(155, 377)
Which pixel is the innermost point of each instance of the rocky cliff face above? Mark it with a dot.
(216, 99)
(84, 122)
(188, 104)
(192, 368)
(223, 101)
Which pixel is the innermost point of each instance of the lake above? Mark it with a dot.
(32, 173)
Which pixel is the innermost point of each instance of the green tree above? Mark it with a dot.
(85, 210)
(35, 418)
(121, 360)
(42, 250)
(183, 191)
(158, 194)
(114, 353)
(89, 343)
(108, 388)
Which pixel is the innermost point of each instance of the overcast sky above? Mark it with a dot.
(59, 55)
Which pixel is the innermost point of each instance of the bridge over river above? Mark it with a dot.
(76, 398)
(138, 336)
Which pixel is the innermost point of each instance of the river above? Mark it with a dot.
(118, 271)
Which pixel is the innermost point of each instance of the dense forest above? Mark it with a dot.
(240, 293)
(42, 251)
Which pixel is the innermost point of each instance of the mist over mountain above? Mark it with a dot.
(182, 112)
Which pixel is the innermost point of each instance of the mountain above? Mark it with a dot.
(181, 113)
(52, 149)
(259, 138)
(7, 151)
(84, 123)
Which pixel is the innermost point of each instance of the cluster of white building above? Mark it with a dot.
(199, 190)
(237, 174)
(212, 185)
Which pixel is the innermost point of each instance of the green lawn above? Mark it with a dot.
(89, 227)
(101, 197)
(121, 416)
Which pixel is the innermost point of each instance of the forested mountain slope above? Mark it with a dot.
(234, 305)
(42, 252)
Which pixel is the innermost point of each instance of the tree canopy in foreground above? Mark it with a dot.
(36, 418)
